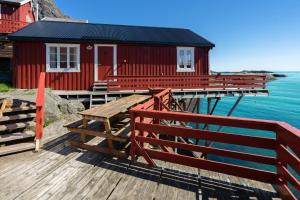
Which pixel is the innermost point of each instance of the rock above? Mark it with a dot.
(47, 8)
(55, 106)
(270, 77)
(52, 111)
(70, 107)
(279, 75)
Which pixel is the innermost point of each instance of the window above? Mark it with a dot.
(185, 59)
(63, 57)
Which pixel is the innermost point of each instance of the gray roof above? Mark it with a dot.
(107, 33)
(19, 2)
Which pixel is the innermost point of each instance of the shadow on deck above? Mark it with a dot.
(116, 178)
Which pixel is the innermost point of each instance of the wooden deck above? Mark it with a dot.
(61, 171)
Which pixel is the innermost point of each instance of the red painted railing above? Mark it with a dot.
(222, 82)
(40, 106)
(10, 26)
(148, 127)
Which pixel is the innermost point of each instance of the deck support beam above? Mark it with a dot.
(228, 115)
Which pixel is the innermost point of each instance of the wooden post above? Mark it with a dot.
(108, 131)
(40, 109)
(198, 112)
(208, 110)
(132, 137)
(85, 126)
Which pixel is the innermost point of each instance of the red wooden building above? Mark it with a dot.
(15, 14)
(75, 55)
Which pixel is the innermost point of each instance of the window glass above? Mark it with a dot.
(53, 57)
(181, 58)
(63, 57)
(185, 59)
(73, 57)
(188, 58)
(73, 50)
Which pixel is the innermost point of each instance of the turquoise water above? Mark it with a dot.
(283, 104)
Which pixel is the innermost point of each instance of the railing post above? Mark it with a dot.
(133, 134)
(280, 165)
(264, 83)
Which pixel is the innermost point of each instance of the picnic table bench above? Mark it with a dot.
(114, 124)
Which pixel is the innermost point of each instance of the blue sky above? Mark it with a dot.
(249, 34)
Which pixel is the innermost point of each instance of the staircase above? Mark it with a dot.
(100, 94)
(17, 124)
(100, 86)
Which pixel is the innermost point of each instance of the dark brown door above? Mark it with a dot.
(105, 62)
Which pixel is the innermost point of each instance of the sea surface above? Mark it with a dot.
(282, 104)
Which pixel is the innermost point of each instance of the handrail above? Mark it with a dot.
(40, 107)
(285, 144)
(205, 82)
(10, 26)
(201, 76)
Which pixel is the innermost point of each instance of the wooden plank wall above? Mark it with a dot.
(6, 51)
(30, 59)
(16, 13)
(156, 60)
(10, 12)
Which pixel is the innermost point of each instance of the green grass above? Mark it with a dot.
(4, 87)
(48, 122)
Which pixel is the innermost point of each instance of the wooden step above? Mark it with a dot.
(100, 83)
(99, 87)
(4, 150)
(15, 126)
(19, 109)
(16, 136)
(16, 117)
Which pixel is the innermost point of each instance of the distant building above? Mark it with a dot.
(14, 15)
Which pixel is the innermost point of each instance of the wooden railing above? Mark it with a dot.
(40, 107)
(222, 82)
(10, 26)
(147, 127)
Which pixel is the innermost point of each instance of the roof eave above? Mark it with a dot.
(91, 40)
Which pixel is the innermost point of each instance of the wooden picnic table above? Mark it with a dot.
(105, 113)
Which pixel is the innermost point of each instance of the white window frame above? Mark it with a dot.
(186, 69)
(58, 46)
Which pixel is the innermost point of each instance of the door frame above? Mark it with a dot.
(96, 59)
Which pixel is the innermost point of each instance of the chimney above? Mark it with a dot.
(37, 12)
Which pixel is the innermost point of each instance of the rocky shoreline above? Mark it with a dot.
(270, 75)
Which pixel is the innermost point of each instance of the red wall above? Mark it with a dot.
(25, 10)
(16, 13)
(153, 60)
(30, 60)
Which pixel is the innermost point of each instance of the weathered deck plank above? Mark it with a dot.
(62, 172)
